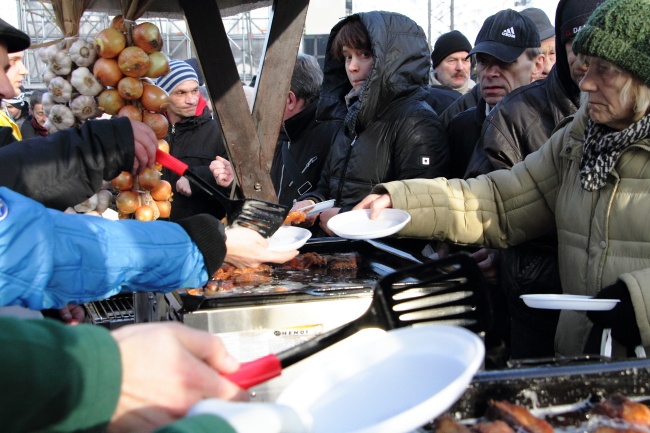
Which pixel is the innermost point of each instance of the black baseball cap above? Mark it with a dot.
(505, 35)
(14, 39)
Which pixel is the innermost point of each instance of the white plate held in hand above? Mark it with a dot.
(288, 238)
(391, 384)
(313, 209)
(357, 224)
(569, 302)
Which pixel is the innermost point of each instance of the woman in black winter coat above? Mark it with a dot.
(376, 74)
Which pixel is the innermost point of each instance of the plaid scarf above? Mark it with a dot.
(603, 146)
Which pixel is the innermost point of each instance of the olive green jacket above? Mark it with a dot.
(603, 235)
(64, 379)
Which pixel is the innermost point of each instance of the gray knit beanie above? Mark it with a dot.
(619, 31)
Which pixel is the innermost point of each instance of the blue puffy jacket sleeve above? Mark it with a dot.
(49, 259)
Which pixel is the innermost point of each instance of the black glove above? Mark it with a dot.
(209, 235)
(621, 319)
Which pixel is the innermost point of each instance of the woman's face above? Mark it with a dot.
(357, 65)
(603, 83)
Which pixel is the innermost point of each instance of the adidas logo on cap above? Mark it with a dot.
(510, 33)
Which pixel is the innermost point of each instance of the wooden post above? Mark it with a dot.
(250, 143)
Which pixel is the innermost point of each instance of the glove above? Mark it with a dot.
(621, 319)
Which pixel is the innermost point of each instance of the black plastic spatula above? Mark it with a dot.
(259, 215)
(447, 291)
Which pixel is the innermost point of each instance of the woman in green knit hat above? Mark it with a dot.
(590, 183)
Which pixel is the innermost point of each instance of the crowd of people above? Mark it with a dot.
(528, 149)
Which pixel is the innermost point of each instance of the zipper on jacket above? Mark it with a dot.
(345, 170)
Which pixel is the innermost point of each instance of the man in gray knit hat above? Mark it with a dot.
(195, 138)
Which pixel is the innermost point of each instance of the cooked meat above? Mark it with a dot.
(620, 407)
(251, 279)
(305, 261)
(492, 427)
(343, 261)
(517, 417)
(446, 424)
(295, 216)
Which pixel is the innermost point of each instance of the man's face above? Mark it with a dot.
(576, 68)
(454, 70)
(16, 72)
(6, 88)
(548, 49)
(498, 78)
(184, 99)
(39, 114)
(357, 65)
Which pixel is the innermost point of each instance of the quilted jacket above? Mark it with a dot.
(602, 235)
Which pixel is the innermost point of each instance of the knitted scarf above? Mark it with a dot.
(40, 130)
(603, 146)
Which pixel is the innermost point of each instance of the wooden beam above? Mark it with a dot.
(274, 79)
(225, 88)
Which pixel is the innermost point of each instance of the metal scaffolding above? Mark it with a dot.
(246, 35)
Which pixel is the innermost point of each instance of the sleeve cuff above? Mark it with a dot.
(209, 235)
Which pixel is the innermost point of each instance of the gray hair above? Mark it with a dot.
(307, 78)
(36, 97)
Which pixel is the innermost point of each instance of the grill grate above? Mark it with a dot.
(112, 312)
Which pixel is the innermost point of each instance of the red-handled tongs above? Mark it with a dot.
(448, 291)
(259, 215)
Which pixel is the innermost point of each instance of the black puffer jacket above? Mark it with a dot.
(525, 119)
(390, 133)
(465, 102)
(309, 144)
(522, 122)
(463, 131)
(196, 141)
(70, 168)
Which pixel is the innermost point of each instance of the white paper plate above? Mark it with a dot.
(391, 384)
(569, 302)
(313, 209)
(288, 238)
(357, 224)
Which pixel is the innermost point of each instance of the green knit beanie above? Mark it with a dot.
(619, 31)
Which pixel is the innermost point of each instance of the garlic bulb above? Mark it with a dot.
(48, 75)
(104, 199)
(61, 117)
(82, 52)
(88, 205)
(60, 62)
(42, 54)
(60, 89)
(48, 103)
(51, 128)
(83, 107)
(85, 82)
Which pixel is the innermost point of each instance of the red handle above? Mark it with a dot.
(168, 161)
(255, 372)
